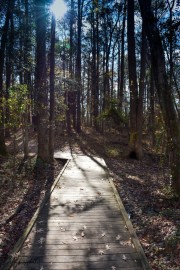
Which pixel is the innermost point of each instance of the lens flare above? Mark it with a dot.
(58, 8)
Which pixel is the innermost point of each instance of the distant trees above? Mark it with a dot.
(164, 92)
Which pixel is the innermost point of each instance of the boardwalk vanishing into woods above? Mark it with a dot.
(82, 225)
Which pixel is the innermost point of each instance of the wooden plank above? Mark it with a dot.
(88, 257)
(69, 240)
(64, 222)
(76, 266)
(85, 205)
(80, 253)
(78, 213)
(57, 250)
(60, 229)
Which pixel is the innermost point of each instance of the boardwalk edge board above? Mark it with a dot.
(12, 258)
(129, 225)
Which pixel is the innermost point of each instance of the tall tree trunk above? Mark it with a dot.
(78, 67)
(9, 69)
(41, 87)
(27, 76)
(171, 6)
(94, 74)
(52, 100)
(69, 94)
(164, 92)
(152, 109)
(121, 88)
(133, 143)
(141, 91)
(2, 58)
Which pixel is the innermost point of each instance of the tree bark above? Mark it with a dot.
(94, 69)
(141, 91)
(3, 150)
(121, 87)
(133, 143)
(41, 87)
(9, 69)
(78, 67)
(152, 110)
(52, 99)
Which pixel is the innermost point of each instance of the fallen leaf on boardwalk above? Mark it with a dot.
(103, 234)
(126, 243)
(39, 230)
(27, 241)
(101, 252)
(108, 247)
(41, 240)
(15, 255)
(124, 257)
(118, 237)
(41, 221)
(82, 234)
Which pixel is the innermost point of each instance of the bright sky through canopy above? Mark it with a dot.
(58, 8)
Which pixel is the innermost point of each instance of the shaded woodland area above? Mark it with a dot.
(103, 80)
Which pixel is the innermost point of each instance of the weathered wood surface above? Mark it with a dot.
(81, 226)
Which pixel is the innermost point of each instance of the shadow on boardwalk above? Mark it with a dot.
(81, 225)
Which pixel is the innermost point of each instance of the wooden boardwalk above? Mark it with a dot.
(82, 225)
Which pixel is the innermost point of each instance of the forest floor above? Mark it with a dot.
(144, 187)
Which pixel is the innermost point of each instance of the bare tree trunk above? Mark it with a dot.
(152, 109)
(52, 100)
(9, 69)
(2, 58)
(94, 70)
(141, 91)
(41, 87)
(133, 142)
(78, 67)
(121, 89)
(27, 76)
